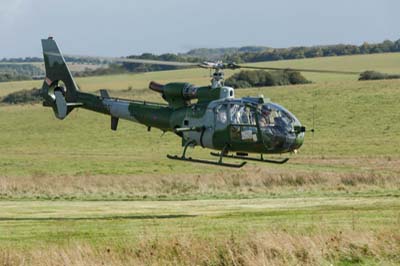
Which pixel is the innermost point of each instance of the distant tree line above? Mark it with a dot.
(83, 60)
(15, 69)
(22, 60)
(250, 54)
(13, 72)
(219, 53)
(272, 54)
(245, 54)
(112, 69)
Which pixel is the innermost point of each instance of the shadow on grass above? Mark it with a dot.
(117, 217)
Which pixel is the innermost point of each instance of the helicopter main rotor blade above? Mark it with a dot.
(133, 60)
(206, 64)
(235, 66)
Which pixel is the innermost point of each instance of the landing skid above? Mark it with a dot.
(190, 159)
(251, 159)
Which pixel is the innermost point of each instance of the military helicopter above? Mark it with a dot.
(217, 121)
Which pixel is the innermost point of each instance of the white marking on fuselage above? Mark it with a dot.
(119, 108)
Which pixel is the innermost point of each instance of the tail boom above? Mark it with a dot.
(61, 92)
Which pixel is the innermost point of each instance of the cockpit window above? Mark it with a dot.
(242, 115)
(273, 115)
(277, 126)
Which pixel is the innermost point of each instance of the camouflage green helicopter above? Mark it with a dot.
(217, 121)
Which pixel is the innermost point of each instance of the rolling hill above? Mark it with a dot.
(74, 192)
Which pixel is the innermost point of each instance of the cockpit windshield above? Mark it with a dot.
(273, 115)
(277, 127)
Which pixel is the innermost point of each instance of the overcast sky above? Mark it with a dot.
(124, 27)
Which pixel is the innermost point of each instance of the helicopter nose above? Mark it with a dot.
(298, 141)
(299, 132)
(294, 141)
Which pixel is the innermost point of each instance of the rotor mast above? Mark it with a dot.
(217, 80)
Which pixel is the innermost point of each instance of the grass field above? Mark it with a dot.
(75, 193)
(300, 230)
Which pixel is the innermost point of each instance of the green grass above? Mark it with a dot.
(347, 229)
(61, 221)
(71, 189)
(352, 119)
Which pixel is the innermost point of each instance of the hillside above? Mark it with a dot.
(380, 62)
(352, 119)
(73, 192)
(387, 63)
(92, 66)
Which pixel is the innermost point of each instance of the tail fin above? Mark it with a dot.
(59, 88)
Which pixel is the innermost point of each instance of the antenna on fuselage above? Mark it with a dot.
(313, 122)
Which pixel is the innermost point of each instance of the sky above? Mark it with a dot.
(125, 27)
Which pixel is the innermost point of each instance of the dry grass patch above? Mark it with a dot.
(267, 248)
(343, 175)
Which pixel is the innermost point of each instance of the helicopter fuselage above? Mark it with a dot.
(245, 125)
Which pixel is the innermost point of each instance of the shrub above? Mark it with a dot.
(24, 96)
(260, 78)
(373, 75)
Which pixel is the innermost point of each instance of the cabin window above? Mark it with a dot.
(242, 115)
(222, 116)
(243, 123)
